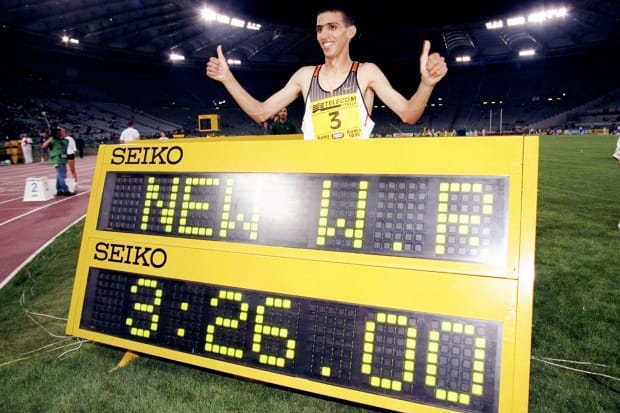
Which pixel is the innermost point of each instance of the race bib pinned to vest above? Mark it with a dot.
(337, 117)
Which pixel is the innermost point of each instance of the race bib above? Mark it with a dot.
(337, 117)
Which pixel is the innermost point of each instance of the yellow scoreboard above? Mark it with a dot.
(397, 273)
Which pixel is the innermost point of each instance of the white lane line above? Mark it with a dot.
(34, 254)
(37, 209)
(11, 200)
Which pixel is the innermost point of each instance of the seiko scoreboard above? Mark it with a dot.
(396, 273)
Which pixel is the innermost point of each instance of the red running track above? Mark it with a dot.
(27, 227)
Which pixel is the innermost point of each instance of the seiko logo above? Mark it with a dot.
(130, 254)
(147, 155)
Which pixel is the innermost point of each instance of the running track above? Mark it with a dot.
(26, 228)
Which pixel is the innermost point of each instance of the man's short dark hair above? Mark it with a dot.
(344, 7)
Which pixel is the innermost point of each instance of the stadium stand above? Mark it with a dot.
(95, 97)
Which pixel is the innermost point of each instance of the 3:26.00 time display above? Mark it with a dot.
(428, 358)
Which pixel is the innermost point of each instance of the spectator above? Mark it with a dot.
(81, 144)
(129, 133)
(26, 144)
(267, 123)
(71, 150)
(162, 135)
(45, 135)
(58, 157)
(616, 154)
(283, 125)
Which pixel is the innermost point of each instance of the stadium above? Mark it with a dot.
(121, 51)
(531, 103)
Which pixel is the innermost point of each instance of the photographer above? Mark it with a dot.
(57, 145)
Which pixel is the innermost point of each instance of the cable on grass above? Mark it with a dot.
(79, 343)
(33, 353)
(43, 348)
(32, 314)
(592, 374)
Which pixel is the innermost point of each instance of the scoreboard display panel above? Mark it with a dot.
(396, 273)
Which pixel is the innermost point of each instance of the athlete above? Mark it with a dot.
(339, 93)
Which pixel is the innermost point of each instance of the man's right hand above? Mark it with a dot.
(217, 67)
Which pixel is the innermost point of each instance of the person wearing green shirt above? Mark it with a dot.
(57, 145)
(282, 124)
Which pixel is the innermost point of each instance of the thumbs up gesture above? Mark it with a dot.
(217, 67)
(432, 66)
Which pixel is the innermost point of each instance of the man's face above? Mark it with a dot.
(62, 132)
(332, 33)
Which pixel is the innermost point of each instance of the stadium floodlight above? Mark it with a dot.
(222, 18)
(175, 57)
(237, 22)
(532, 18)
(515, 21)
(69, 40)
(463, 59)
(527, 52)
(541, 16)
(210, 15)
(495, 24)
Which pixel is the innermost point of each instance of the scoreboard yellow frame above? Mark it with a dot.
(411, 310)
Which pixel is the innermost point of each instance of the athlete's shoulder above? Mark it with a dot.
(306, 70)
(302, 76)
(368, 67)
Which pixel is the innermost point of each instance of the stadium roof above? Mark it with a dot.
(389, 31)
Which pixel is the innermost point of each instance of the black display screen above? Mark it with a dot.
(435, 217)
(440, 360)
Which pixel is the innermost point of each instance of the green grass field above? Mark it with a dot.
(575, 366)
